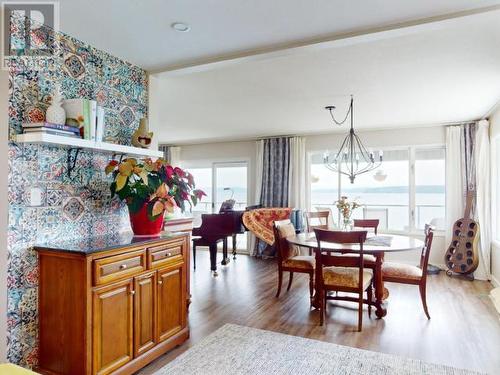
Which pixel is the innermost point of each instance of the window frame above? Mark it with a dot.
(412, 150)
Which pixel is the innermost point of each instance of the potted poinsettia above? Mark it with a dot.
(151, 188)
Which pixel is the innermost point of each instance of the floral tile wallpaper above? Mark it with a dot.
(45, 202)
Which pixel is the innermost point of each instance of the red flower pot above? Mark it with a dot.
(142, 226)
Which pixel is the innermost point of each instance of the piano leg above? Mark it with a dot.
(213, 258)
(234, 245)
(225, 258)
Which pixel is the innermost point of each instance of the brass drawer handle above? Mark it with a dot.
(132, 292)
(160, 282)
(168, 255)
(123, 266)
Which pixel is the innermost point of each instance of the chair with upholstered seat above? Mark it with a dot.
(338, 273)
(289, 257)
(322, 219)
(408, 274)
(367, 223)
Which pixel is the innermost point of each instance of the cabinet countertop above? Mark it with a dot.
(96, 244)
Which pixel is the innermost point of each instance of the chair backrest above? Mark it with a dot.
(321, 216)
(426, 249)
(284, 250)
(327, 257)
(367, 223)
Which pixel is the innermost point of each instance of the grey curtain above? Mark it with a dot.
(468, 140)
(166, 151)
(275, 172)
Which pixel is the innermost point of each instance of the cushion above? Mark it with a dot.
(300, 261)
(285, 231)
(346, 276)
(405, 271)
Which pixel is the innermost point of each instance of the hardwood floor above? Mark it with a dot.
(464, 330)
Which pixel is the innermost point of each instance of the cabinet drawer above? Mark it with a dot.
(119, 266)
(169, 253)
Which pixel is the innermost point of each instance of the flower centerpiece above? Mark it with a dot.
(150, 189)
(346, 208)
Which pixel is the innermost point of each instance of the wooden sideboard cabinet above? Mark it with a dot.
(111, 305)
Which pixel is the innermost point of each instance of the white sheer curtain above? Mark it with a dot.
(175, 156)
(297, 175)
(456, 190)
(483, 198)
(259, 161)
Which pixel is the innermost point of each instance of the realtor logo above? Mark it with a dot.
(28, 28)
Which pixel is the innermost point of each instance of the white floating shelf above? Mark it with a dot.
(60, 140)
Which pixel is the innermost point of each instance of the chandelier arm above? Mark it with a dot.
(339, 153)
(362, 149)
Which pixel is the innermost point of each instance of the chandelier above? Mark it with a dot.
(352, 158)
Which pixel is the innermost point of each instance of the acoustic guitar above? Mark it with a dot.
(461, 256)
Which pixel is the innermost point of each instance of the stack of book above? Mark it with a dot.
(84, 119)
(54, 129)
(87, 115)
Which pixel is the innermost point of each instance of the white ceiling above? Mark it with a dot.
(139, 30)
(437, 73)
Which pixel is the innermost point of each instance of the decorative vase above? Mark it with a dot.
(347, 224)
(142, 226)
(55, 113)
(142, 137)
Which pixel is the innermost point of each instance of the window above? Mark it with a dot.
(401, 197)
(430, 175)
(221, 181)
(203, 181)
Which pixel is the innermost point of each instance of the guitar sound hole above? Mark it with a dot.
(470, 233)
(468, 245)
(457, 232)
(469, 253)
(469, 262)
(463, 267)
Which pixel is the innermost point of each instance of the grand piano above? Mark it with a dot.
(216, 228)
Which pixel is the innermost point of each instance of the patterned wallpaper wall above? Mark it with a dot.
(70, 206)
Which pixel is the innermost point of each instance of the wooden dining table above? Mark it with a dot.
(376, 245)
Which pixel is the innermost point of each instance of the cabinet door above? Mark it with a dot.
(171, 301)
(144, 313)
(112, 326)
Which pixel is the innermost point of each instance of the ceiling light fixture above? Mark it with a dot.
(352, 158)
(181, 27)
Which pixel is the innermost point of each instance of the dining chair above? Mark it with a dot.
(289, 257)
(338, 273)
(367, 223)
(322, 217)
(408, 274)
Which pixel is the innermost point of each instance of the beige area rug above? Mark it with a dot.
(234, 349)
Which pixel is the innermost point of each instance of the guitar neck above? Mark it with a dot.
(468, 203)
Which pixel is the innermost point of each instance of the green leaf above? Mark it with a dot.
(112, 187)
(150, 206)
(135, 204)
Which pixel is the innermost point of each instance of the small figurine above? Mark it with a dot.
(142, 136)
(55, 112)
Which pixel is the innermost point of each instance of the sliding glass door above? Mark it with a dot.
(230, 182)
